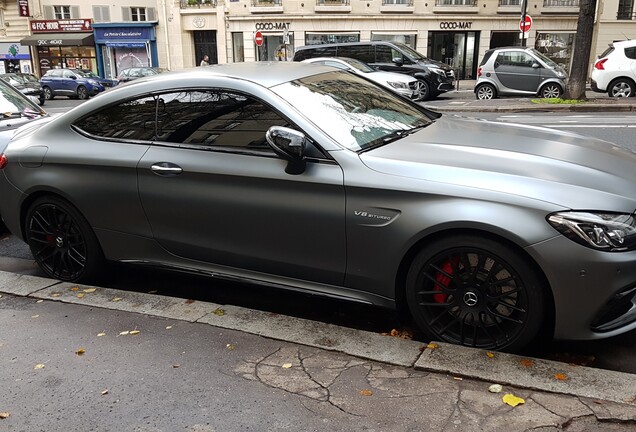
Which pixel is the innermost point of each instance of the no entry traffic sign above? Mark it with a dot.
(258, 38)
(524, 26)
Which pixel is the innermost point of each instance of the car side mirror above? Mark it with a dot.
(536, 65)
(289, 144)
(399, 61)
(73, 77)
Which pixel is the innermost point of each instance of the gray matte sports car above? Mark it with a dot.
(311, 179)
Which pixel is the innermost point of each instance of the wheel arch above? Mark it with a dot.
(403, 268)
(550, 82)
(621, 78)
(34, 196)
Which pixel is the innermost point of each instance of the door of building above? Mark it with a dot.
(205, 44)
(457, 49)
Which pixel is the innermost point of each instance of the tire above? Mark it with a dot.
(551, 90)
(425, 91)
(48, 93)
(62, 242)
(82, 92)
(621, 87)
(474, 291)
(41, 100)
(486, 92)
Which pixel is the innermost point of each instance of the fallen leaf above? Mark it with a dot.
(116, 299)
(366, 393)
(101, 334)
(4, 415)
(105, 392)
(287, 366)
(403, 334)
(35, 316)
(526, 362)
(512, 400)
(230, 347)
(219, 312)
(176, 366)
(561, 377)
(39, 366)
(80, 352)
(189, 301)
(124, 333)
(81, 295)
(495, 388)
(90, 290)
(168, 327)
(432, 346)
(55, 294)
(134, 332)
(152, 292)
(490, 354)
(40, 301)
(75, 288)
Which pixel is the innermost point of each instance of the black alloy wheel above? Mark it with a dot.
(462, 290)
(62, 242)
(82, 92)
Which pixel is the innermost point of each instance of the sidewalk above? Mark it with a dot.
(463, 100)
(79, 358)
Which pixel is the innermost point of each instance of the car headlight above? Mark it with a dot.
(437, 71)
(398, 85)
(613, 232)
(93, 82)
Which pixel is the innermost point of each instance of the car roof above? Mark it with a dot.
(340, 44)
(624, 43)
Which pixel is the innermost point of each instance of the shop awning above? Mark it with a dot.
(59, 39)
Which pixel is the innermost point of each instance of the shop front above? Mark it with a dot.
(62, 44)
(456, 44)
(124, 45)
(14, 57)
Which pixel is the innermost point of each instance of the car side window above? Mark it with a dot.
(130, 120)
(54, 74)
(630, 53)
(216, 120)
(335, 64)
(515, 59)
(68, 74)
(383, 54)
(359, 52)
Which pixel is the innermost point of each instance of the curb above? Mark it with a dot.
(502, 368)
(582, 107)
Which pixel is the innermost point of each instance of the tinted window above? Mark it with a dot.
(386, 54)
(359, 52)
(515, 58)
(315, 52)
(131, 120)
(215, 119)
(55, 73)
(68, 74)
(486, 57)
(630, 53)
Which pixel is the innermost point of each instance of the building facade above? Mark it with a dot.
(38, 35)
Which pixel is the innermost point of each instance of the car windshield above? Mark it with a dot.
(84, 74)
(357, 64)
(545, 59)
(357, 114)
(12, 79)
(14, 105)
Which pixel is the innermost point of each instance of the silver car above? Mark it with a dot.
(313, 179)
(519, 71)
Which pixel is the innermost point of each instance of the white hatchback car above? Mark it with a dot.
(614, 72)
(402, 84)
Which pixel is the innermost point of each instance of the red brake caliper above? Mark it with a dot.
(442, 279)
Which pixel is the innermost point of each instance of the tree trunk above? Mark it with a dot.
(581, 53)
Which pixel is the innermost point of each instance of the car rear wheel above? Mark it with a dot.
(486, 92)
(62, 242)
(474, 291)
(48, 93)
(551, 90)
(621, 87)
(82, 92)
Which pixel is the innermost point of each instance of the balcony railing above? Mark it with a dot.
(267, 3)
(332, 3)
(509, 2)
(184, 4)
(626, 13)
(397, 2)
(455, 2)
(561, 3)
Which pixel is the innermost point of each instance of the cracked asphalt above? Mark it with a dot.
(174, 375)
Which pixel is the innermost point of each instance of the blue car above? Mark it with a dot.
(70, 82)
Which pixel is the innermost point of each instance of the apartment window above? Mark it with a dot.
(138, 14)
(62, 12)
(625, 10)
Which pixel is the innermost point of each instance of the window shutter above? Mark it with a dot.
(48, 12)
(151, 14)
(75, 12)
(125, 14)
(101, 13)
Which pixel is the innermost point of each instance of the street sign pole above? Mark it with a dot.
(524, 12)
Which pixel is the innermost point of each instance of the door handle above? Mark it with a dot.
(166, 169)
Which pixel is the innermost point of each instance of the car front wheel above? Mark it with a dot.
(549, 91)
(62, 242)
(474, 291)
(82, 92)
(621, 88)
(48, 93)
(486, 92)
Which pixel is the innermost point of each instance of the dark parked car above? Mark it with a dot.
(314, 179)
(69, 82)
(138, 72)
(27, 86)
(15, 111)
(436, 77)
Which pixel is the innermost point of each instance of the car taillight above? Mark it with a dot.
(478, 72)
(599, 64)
(3, 161)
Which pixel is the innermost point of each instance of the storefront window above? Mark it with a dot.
(238, 47)
(557, 47)
(407, 39)
(75, 57)
(274, 48)
(325, 38)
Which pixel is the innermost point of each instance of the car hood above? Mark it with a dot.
(439, 64)
(560, 168)
(384, 77)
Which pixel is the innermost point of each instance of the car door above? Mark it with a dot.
(68, 82)
(517, 71)
(214, 191)
(385, 57)
(630, 54)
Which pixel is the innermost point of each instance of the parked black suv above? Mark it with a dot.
(391, 57)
